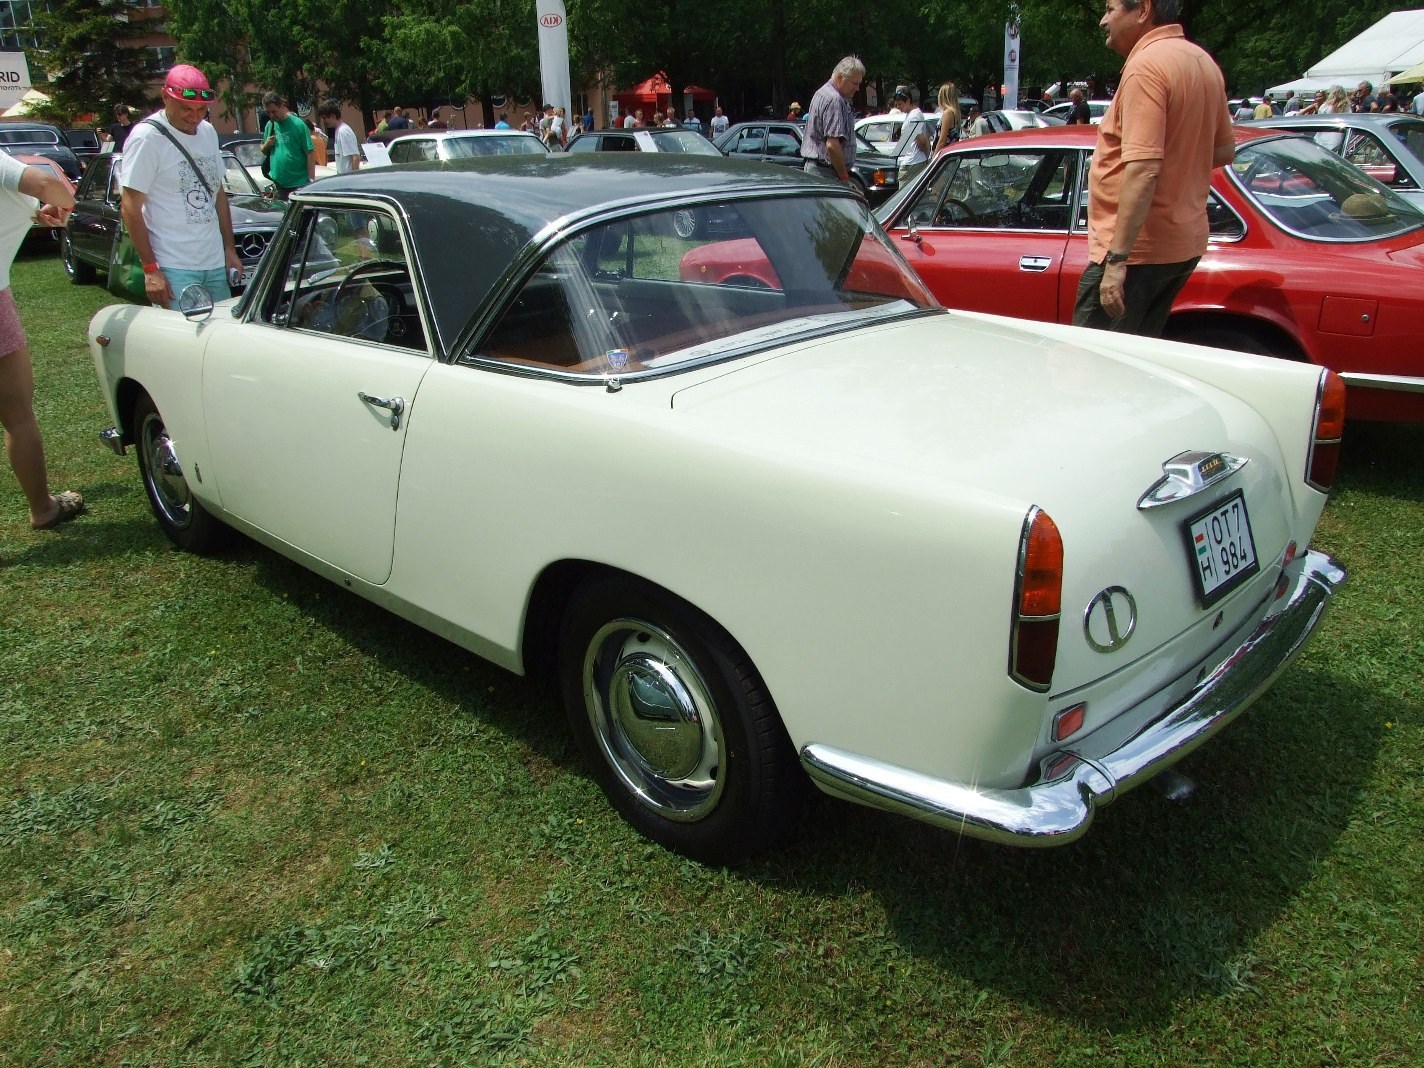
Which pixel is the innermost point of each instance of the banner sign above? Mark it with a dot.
(1011, 65)
(554, 53)
(14, 78)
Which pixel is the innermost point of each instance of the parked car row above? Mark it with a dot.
(87, 242)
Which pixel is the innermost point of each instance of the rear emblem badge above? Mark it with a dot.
(1110, 619)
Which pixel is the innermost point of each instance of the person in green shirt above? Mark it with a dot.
(288, 144)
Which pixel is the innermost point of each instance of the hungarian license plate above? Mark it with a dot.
(1221, 548)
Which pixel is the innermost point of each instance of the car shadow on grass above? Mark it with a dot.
(1158, 901)
(1384, 458)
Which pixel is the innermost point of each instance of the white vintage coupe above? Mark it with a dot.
(767, 510)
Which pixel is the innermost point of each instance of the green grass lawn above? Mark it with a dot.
(250, 819)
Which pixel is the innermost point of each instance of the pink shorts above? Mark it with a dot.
(12, 334)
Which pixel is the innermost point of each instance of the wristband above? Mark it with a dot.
(150, 268)
(844, 177)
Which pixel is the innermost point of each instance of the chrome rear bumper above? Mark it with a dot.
(1059, 807)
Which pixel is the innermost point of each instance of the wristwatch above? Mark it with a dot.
(1114, 258)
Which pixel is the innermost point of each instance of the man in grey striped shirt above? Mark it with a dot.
(829, 145)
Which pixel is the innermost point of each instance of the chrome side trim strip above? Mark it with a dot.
(1400, 383)
(1073, 783)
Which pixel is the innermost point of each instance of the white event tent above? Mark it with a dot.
(1392, 45)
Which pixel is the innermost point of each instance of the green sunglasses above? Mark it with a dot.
(190, 94)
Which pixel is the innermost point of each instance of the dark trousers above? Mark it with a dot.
(1148, 293)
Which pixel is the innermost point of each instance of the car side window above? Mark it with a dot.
(1222, 222)
(617, 143)
(1366, 151)
(750, 141)
(999, 190)
(780, 143)
(95, 184)
(348, 275)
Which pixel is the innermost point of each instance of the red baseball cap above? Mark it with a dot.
(187, 77)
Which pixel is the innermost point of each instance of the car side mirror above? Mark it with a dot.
(195, 302)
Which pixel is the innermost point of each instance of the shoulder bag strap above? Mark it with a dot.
(164, 131)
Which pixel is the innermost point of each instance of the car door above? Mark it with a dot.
(95, 218)
(988, 229)
(307, 401)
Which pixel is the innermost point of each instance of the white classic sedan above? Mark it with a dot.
(770, 513)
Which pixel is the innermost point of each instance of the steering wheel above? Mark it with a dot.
(366, 267)
(388, 294)
(952, 211)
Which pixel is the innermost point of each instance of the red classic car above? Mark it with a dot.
(1310, 258)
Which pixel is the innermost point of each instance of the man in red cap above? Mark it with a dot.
(173, 205)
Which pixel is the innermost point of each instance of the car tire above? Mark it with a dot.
(676, 722)
(80, 273)
(1235, 339)
(182, 518)
(687, 223)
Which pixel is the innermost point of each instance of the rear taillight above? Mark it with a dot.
(1038, 595)
(1328, 431)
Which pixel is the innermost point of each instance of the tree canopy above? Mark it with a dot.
(753, 53)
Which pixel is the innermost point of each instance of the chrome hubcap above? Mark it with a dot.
(165, 473)
(654, 718)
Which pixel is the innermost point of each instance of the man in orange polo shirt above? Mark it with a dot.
(1166, 130)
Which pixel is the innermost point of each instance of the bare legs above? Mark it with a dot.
(23, 444)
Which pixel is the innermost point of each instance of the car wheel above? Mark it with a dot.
(80, 273)
(687, 223)
(679, 728)
(187, 523)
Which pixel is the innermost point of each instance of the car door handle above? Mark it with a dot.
(392, 404)
(1035, 263)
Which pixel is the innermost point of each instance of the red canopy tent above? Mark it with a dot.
(655, 94)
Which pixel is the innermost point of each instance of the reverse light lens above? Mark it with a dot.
(1328, 432)
(1038, 596)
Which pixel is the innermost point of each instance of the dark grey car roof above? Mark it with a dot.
(471, 218)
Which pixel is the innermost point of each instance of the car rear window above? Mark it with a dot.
(1314, 194)
(494, 145)
(28, 137)
(686, 286)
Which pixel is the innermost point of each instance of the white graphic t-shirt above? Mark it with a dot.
(180, 214)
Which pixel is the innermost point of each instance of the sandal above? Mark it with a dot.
(70, 504)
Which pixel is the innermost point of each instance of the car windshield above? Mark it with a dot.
(249, 152)
(1315, 194)
(688, 142)
(686, 286)
(236, 178)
